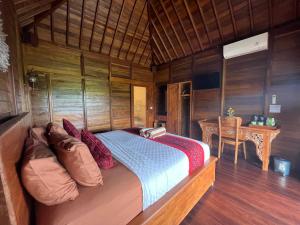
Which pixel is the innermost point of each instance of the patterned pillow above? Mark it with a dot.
(71, 129)
(100, 152)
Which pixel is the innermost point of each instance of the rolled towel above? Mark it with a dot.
(156, 132)
(143, 132)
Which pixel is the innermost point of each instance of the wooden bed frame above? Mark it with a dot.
(170, 209)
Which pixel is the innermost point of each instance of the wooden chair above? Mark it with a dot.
(229, 129)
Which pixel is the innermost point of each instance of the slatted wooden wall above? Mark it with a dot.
(89, 89)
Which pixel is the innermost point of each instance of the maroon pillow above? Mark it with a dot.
(71, 129)
(99, 151)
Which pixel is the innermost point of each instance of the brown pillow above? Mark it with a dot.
(54, 129)
(44, 177)
(39, 133)
(77, 159)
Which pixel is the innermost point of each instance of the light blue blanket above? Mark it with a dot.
(158, 167)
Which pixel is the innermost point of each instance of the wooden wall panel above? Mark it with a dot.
(245, 83)
(181, 69)
(142, 73)
(284, 81)
(120, 105)
(173, 103)
(97, 104)
(162, 74)
(96, 66)
(120, 69)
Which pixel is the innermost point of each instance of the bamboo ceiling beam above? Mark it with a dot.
(204, 21)
(135, 31)
(116, 30)
(67, 22)
(164, 29)
(233, 19)
(161, 39)
(193, 24)
(138, 46)
(250, 16)
(172, 26)
(81, 23)
(182, 26)
(129, 21)
(270, 9)
(148, 42)
(217, 19)
(105, 27)
(38, 18)
(94, 24)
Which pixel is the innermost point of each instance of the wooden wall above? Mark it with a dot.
(91, 90)
(248, 83)
(11, 82)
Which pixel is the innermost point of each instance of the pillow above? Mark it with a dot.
(77, 159)
(55, 128)
(39, 133)
(71, 129)
(100, 152)
(44, 177)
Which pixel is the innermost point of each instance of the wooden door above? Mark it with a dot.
(139, 106)
(173, 110)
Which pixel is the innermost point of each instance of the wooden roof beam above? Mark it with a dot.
(172, 26)
(232, 19)
(250, 16)
(161, 39)
(52, 27)
(159, 51)
(182, 26)
(135, 31)
(145, 63)
(164, 29)
(193, 23)
(81, 23)
(204, 21)
(116, 30)
(126, 30)
(217, 19)
(137, 48)
(270, 9)
(67, 22)
(105, 27)
(148, 42)
(94, 25)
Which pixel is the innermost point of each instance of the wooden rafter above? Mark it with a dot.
(135, 31)
(164, 29)
(217, 19)
(148, 42)
(159, 49)
(138, 46)
(117, 26)
(161, 39)
(232, 19)
(250, 16)
(39, 17)
(159, 56)
(81, 22)
(156, 59)
(67, 22)
(204, 21)
(145, 63)
(94, 25)
(270, 10)
(182, 26)
(186, 6)
(105, 27)
(129, 21)
(52, 27)
(172, 26)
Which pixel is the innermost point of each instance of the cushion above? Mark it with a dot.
(39, 133)
(71, 129)
(55, 128)
(100, 152)
(77, 159)
(44, 177)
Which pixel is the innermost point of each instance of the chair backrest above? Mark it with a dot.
(229, 127)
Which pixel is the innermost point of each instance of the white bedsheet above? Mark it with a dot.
(158, 166)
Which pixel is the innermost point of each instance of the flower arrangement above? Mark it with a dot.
(4, 50)
(230, 112)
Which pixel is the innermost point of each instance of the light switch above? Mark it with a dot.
(274, 99)
(275, 108)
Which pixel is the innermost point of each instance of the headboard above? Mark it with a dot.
(15, 204)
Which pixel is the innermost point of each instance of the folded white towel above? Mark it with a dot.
(156, 132)
(143, 132)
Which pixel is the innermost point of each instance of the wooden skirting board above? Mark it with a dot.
(177, 203)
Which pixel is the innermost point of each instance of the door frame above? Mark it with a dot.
(132, 103)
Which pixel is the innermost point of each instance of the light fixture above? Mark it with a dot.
(32, 78)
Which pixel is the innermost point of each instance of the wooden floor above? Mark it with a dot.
(244, 194)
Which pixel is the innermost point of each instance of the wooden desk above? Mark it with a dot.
(261, 137)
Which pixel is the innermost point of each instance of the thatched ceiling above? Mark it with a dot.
(120, 28)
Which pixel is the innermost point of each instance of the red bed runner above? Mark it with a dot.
(190, 148)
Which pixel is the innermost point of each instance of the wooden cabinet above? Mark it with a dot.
(179, 108)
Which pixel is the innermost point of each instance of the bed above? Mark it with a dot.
(121, 199)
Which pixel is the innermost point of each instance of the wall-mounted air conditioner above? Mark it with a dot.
(250, 45)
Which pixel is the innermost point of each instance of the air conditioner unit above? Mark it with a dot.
(247, 46)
